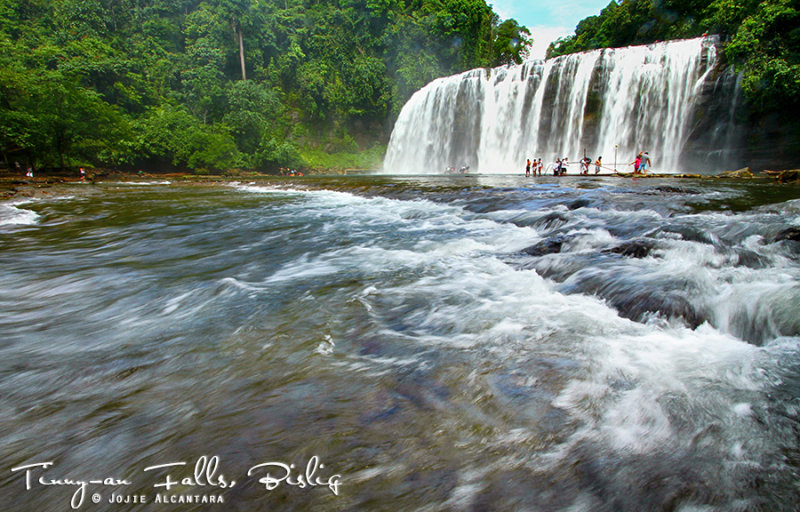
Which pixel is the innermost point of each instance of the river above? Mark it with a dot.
(437, 343)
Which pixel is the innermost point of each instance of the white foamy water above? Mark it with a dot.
(443, 343)
(612, 103)
(631, 390)
(12, 215)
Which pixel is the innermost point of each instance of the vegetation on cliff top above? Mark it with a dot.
(761, 38)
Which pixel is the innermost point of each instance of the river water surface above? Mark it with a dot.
(439, 343)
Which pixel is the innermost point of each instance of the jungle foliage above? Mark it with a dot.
(213, 85)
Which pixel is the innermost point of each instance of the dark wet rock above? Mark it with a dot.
(639, 305)
(666, 189)
(691, 233)
(789, 176)
(580, 203)
(561, 271)
(665, 299)
(552, 220)
(549, 246)
(633, 248)
(792, 233)
(750, 259)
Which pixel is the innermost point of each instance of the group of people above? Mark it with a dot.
(641, 163)
(285, 171)
(29, 171)
(461, 170)
(586, 162)
(534, 167)
(560, 166)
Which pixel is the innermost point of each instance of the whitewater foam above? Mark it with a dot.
(12, 215)
(612, 103)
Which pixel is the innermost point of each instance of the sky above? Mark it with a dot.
(547, 19)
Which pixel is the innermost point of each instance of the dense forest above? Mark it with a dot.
(761, 38)
(224, 84)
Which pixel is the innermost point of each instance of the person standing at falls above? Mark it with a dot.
(528, 168)
(636, 163)
(597, 164)
(645, 163)
(539, 166)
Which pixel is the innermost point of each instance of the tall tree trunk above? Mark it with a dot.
(241, 54)
(60, 144)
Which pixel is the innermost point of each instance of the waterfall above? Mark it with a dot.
(600, 103)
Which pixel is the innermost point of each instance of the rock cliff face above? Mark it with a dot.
(748, 138)
(718, 128)
(672, 99)
(771, 141)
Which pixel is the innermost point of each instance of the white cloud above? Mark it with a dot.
(543, 36)
(504, 8)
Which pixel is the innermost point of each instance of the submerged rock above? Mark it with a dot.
(548, 246)
(750, 259)
(638, 305)
(552, 220)
(666, 189)
(633, 248)
(579, 203)
(792, 233)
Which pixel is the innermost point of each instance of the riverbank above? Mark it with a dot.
(15, 187)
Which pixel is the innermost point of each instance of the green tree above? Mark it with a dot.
(171, 135)
(766, 47)
(213, 83)
(509, 42)
(253, 110)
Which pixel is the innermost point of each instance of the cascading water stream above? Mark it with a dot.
(441, 343)
(601, 103)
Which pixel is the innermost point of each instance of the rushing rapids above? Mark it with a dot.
(671, 99)
(441, 343)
